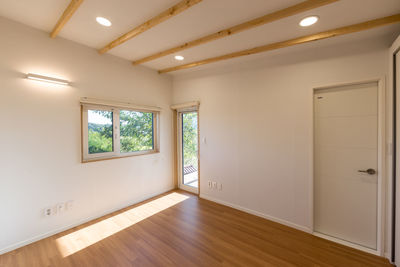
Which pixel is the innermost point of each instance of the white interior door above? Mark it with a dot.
(345, 163)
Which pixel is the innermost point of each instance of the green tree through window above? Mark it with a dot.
(100, 130)
(136, 131)
(190, 142)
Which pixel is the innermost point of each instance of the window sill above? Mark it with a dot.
(121, 156)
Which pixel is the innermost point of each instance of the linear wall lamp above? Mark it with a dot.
(42, 78)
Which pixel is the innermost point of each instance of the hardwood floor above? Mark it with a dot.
(179, 229)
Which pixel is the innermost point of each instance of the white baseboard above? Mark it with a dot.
(259, 214)
(64, 228)
(347, 243)
(387, 256)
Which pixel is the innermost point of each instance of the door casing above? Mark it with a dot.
(393, 115)
(381, 168)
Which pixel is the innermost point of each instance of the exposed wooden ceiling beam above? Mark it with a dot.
(68, 12)
(296, 41)
(170, 12)
(268, 18)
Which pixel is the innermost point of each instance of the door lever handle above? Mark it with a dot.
(369, 171)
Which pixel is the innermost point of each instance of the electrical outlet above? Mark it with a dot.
(54, 210)
(209, 184)
(48, 212)
(60, 207)
(220, 187)
(214, 185)
(69, 205)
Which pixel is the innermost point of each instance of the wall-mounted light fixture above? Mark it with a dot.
(42, 78)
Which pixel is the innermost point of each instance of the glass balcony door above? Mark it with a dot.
(189, 148)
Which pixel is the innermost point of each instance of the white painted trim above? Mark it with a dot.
(395, 46)
(381, 197)
(336, 85)
(381, 166)
(118, 104)
(346, 243)
(64, 228)
(257, 213)
(193, 104)
(311, 161)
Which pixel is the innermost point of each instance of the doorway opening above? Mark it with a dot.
(188, 134)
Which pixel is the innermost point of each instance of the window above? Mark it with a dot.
(112, 132)
(100, 131)
(136, 131)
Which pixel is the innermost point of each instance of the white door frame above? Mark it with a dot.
(381, 168)
(390, 139)
(179, 144)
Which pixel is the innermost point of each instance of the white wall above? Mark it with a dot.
(40, 134)
(256, 116)
(257, 121)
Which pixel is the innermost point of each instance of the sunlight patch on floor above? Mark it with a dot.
(80, 239)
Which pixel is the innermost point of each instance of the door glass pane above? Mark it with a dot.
(189, 149)
(136, 131)
(100, 131)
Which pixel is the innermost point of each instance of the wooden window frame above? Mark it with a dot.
(116, 153)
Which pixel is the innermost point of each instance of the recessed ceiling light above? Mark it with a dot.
(103, 21)
(179, 58)
(308, 21)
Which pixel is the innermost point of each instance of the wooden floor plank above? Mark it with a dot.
(180, 229)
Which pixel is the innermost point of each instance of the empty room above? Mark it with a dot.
(199, 133)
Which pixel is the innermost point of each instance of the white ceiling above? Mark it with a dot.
(201, 19)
